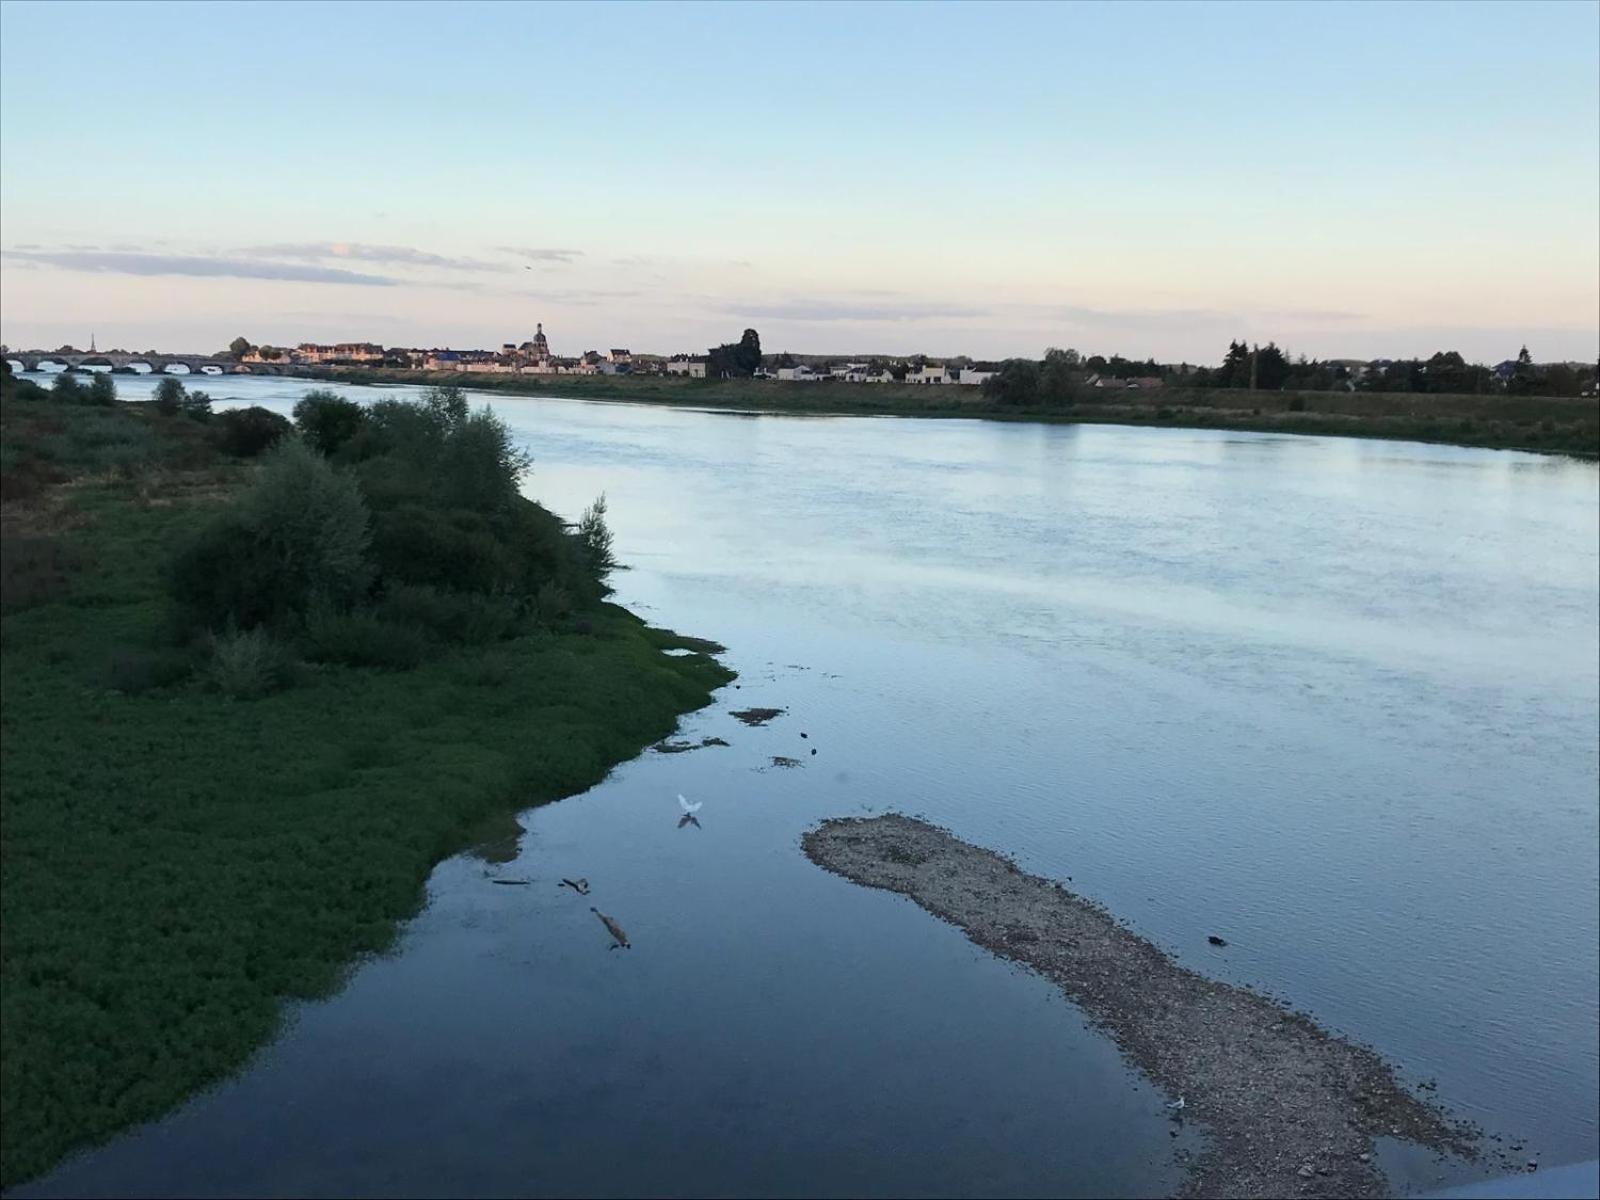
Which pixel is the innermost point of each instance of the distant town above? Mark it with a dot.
(1244, 366)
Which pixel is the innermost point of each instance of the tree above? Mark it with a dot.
(102, 389)
(1057, 378)
(741, 358)
(170, 396)
(239, 347)
(595, 538)
(328, 421)
(1235, 369)
(1271, 367)
(65, 387)
(1016, 384)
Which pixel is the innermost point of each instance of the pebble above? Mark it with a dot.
(1533, 1164)
(1305, 1172)
(1364, 1157)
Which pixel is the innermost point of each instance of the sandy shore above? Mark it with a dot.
(1291, 1110)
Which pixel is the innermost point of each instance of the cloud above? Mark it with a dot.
(836, 310)
(560, 256)
(116, 263)
(407, 256)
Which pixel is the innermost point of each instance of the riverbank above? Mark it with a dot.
(1291, 1110)
(179, 865)
(1545, 424)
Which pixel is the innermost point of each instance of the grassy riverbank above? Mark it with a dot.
(1551, 424)
(177, 864)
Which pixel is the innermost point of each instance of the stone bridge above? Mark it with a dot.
(158, 364)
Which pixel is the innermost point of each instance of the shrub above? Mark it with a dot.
(246, 432)
(298, 535)
(102, 390)
(1297, 404)
(246, 665)
(327, 421)
(362, 639)
(196, 404)
(594, 536)
(66, 388)
(170, 395)
(552, 602)
(450, 616)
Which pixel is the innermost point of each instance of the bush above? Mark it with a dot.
(552, 602)
(246, 432)
(102, 390)
(362, 639)
(196, 404)
(246, 665)
(297, 536)
(450, 616)
(594, 536)
(66, 388)
(327, 421)
(170, 395)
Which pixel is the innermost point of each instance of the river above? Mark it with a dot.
(1334, 700)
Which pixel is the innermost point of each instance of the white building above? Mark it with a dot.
(684, 364)
(928, 374)
(800, 374)
(970, 378)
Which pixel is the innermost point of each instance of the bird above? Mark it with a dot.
(613, 929)
(1177, 1105)
(1216, 941)
(689, 819)
(802, 735)
(581, 886)
(689, 809)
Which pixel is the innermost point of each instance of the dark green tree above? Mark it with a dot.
(239, 347)
(102, 389)
(170, 396)
(65, 387)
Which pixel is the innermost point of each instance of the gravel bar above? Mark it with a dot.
(1291, 1109)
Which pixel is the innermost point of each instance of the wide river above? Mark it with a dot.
(1335, 700)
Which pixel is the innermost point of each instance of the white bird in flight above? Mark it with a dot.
(1177, 1105)
(689, 809)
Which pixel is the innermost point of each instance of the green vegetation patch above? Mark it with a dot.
(176, 864)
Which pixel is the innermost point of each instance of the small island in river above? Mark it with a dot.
(1291, 1109)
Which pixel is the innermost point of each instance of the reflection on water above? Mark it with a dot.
(1333, 700)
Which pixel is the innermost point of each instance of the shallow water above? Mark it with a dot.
(1335, 700)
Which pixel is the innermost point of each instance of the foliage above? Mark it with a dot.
(594, 535)
(172, 875)
(66, 388)
(296, 537)
(239, 347)
(247, 432)
(170, 396)
(735, 359)
(102, 390)
(1016, 384)
(448, 615)
(248, 664)
(327, 421)
(362, 639)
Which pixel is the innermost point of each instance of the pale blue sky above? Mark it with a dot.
(1141, 178)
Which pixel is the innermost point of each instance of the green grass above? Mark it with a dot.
(176, 864)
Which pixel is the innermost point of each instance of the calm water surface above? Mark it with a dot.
(1336, 700)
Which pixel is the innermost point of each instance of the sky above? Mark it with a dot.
(1149, 179)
